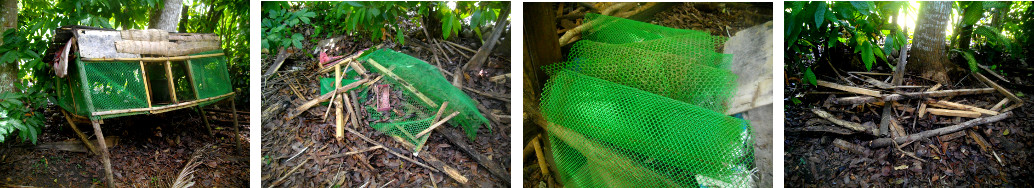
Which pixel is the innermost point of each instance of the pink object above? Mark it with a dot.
(384, 103)
(324, 59)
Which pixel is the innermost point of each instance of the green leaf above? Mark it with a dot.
(820, 12)
(864, 7)
(867, 57)
(796, 101)
(888, 44)
(809, 77)
(8, 57)
(447, 27)
(398, 35)
(973, 13)
(879, 53)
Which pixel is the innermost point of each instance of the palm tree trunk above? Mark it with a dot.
(929, 52)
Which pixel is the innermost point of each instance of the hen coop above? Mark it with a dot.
(104, 73)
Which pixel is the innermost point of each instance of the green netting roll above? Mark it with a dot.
(615, 30)
(688, 79)
(429, 81)
(610, 135)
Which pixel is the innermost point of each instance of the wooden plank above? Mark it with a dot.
(953, 113)
(922, 106)
(851, 89)
(448, 170)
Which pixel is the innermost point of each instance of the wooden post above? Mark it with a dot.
(339, 131)
(172, 86)
(204, 117)
(236, 127)
(105, 157)
(147, 85)
(82, 136)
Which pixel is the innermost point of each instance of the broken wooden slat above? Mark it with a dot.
(448, 170)
(371, 141)
(998, 87)
(952, 136)
(436, 124)
(963, 107)
(1000, 104)
(941, 131)
(851, 89)
(953, 113)
(847, 124)
(922, 106)
(984, 146)
(79, 133)
(322, 98)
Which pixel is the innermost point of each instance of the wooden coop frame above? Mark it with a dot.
(76, 47)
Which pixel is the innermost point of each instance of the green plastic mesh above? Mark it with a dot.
(641, 105)
(119, 85)
(605, 134)
(410, 113)
(689, 79)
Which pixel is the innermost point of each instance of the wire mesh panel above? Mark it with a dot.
(211, 77)
(115, 85)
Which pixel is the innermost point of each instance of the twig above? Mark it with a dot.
(281, 180)
(489, 95)
(460, 47)
(371, 141)
(903, 96)
(355, 152)
(851, 89)
(324, 97)
(847, 124)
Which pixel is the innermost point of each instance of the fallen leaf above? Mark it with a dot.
(935, 178)
(1005, 133)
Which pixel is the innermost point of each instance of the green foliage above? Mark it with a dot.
(18, 113)
(277, 25)
(814, 27)
(972, 61)
(809, 77)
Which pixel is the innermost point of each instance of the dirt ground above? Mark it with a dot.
(811, 160)
(720, 19)
(150, 151)
(301, 152)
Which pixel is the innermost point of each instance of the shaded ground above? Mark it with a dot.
(811, 160)
(151, 151)
(301, 152)
(720, 19)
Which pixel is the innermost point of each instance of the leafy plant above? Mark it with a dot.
(277, 26)
(16, 114)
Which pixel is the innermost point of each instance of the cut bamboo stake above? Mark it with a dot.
(448, 170)
(953, 113)
(105, 156)
(851, 89)
(351, 110)
(847, 124)
(347, 60)
(437, 124)
(323, 97)
(941, 131)
(999, 88)
(404, 83)
(963, 107)
(339, 131)
(922, 106)
(984, 146)
(540, 157)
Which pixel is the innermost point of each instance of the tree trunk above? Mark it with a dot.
(965, 36)
(929, 54)
(183, 20)
(8, 20)
(166, 17)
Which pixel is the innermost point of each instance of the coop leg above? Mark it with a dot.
(82, 136)
(105, 158)
(204, 117)
(236, 128)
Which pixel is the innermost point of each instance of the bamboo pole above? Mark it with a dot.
(162, 108)
(82, 136)
(172, 84)
(147, 85)
(437, 124)
(105, 156)
(323, 97)
(404, 83)
(150, 59)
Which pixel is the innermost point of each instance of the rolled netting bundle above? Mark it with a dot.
(641, 105)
